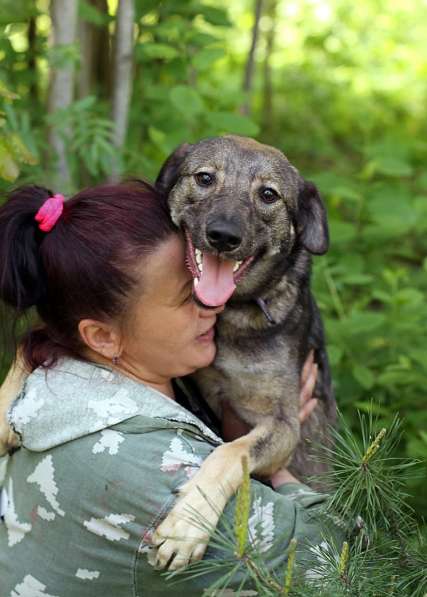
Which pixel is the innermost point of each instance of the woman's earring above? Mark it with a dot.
(115, 360)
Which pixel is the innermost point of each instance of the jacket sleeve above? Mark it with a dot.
(159, 462)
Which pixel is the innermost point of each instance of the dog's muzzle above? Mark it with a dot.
(223, 234)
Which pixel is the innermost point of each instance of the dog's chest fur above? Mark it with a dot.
(247, 371)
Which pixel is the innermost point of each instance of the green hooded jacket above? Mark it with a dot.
(99, 466)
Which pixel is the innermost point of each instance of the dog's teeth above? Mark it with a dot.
(195, 281)
(198, 254)
(236, 266)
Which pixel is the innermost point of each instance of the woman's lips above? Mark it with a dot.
(207, 336)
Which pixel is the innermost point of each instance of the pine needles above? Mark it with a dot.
(381, 556)
(368, 481)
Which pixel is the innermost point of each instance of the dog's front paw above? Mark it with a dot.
(184, 534)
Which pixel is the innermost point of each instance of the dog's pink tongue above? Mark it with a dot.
(216, 283)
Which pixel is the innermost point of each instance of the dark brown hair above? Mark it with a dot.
(81, 268)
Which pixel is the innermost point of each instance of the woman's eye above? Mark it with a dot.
(204, 179)
(268, 195)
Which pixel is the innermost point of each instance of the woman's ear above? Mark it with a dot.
(102, 338)
(312, 223)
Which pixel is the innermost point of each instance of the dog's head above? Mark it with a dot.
(239, 203)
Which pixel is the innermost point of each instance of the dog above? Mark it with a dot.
(251, 224)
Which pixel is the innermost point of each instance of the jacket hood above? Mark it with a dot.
(76, 398)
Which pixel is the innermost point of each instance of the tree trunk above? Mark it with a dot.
(32, 65)
(268, 107)
(250, 63)
(94, 73)
(122, 78)
(64, 21)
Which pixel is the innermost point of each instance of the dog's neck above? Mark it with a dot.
(291, 276)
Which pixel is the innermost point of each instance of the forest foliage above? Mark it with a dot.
(340, 87)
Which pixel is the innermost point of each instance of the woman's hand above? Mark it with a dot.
(308, 380)
(233, 427)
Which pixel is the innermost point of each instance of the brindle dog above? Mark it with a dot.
(251, 223)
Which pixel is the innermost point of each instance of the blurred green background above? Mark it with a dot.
(340, 87)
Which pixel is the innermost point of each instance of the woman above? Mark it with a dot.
(104, 443)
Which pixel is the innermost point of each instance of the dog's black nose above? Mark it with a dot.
(223, 235)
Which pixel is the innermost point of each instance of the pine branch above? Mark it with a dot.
(377, 560)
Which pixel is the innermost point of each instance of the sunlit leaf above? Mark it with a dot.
(152, 51)
(186, 100)
(205, 58)
(9, 169)
(364, 376)
(6, 92)
(226, 122)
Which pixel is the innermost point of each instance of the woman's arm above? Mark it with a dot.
(292, 511)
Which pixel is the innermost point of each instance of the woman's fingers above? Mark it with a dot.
(307, 409)
(307, 386)
(308, 365)
(307, 402)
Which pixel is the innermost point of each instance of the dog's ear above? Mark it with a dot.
(312, 223)
(170, 170)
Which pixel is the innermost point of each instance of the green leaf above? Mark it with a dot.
(20, 150)
(160, 139)
(9, 169)
(392, 210)
(201, 39)
(341, 232)
(417, 447)
(357, 279)
(153, 51)
(205, 58)
(364, 376)
(91, 14)
(142, 7)
(382, 296)
(334, 353)
(17, 11)
(346, 192)
(226, 122)
(362, 322)
(392, 166)
(6, 93)
(186, 100)
(371, 407)
(422, 180)
(64, 55)
(216, 16)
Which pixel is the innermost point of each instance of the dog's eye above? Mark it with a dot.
(204, 179)
(268, 195)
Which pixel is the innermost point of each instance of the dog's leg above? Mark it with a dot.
(9, 390)
(180, 538)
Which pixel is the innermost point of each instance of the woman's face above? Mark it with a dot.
(166, 334)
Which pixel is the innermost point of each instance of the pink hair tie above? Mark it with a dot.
(50, 212)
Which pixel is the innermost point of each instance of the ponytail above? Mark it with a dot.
(22, 279)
